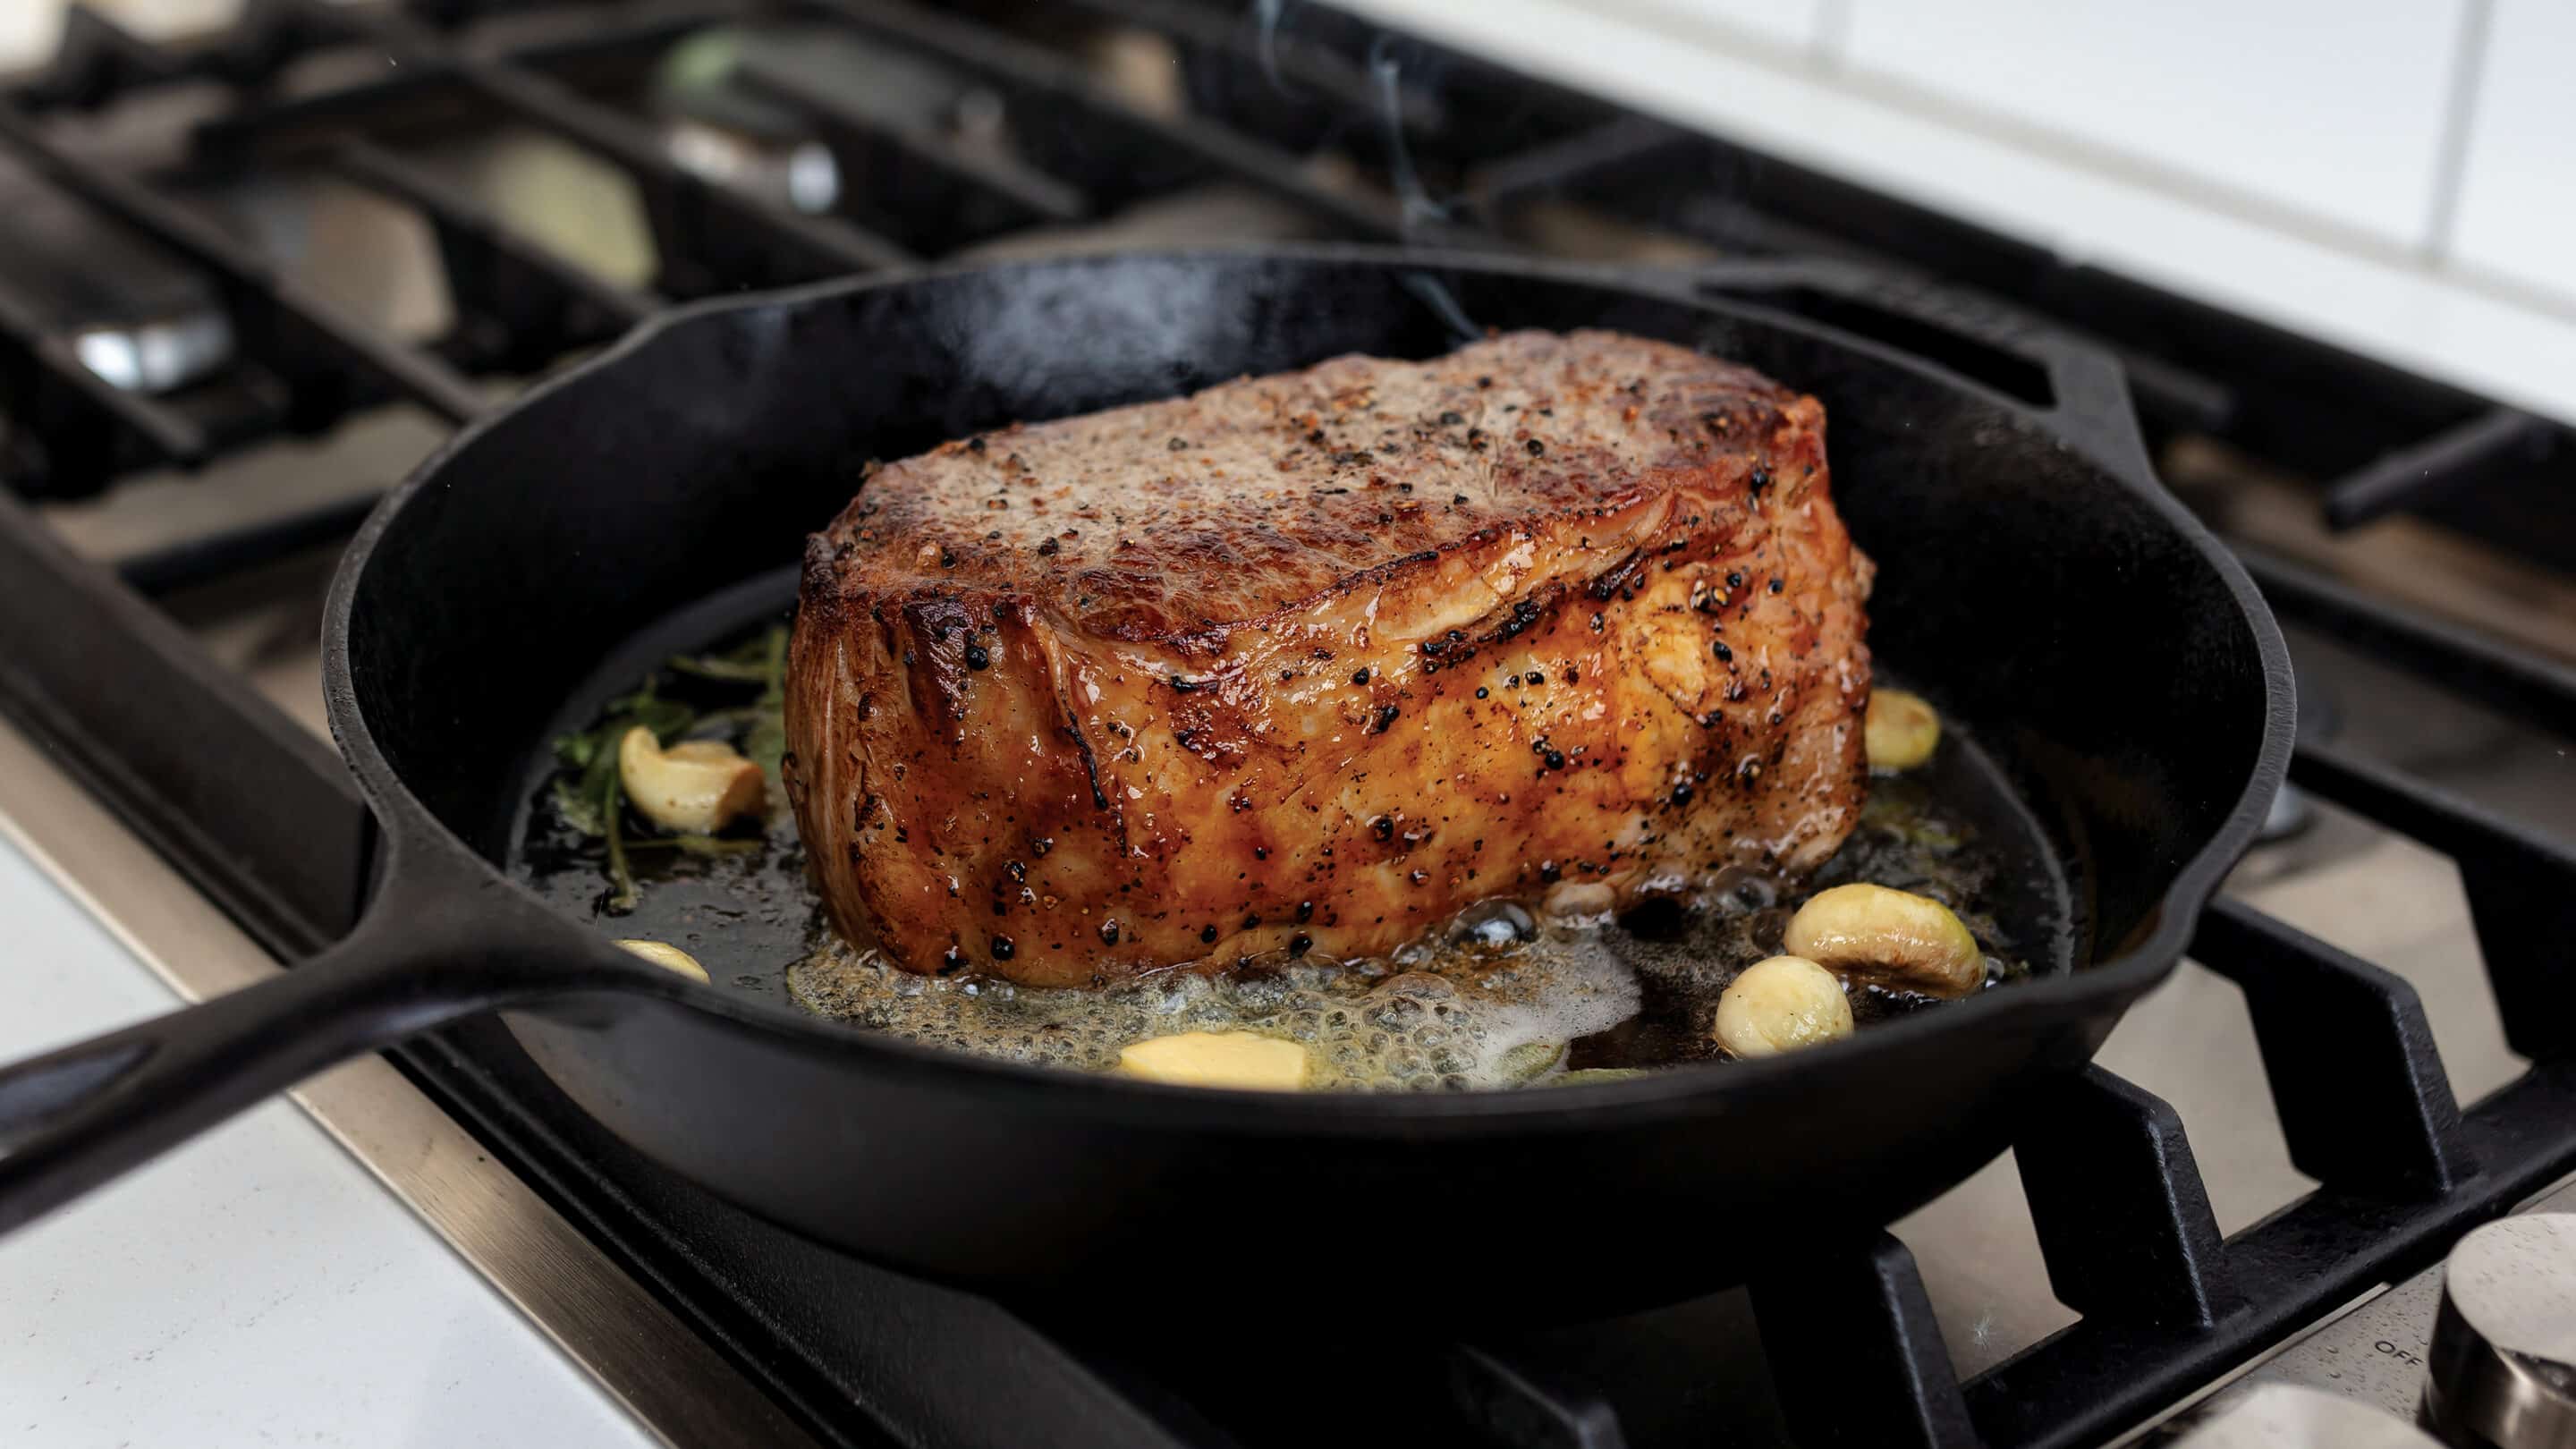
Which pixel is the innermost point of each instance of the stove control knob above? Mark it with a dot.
(2504, 1343)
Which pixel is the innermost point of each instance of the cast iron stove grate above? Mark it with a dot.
(260, 815)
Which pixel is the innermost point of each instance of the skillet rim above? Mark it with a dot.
(411, 829)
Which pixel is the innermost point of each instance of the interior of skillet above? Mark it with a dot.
(647, 506)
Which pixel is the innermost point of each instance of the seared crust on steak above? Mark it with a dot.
(1310, 662)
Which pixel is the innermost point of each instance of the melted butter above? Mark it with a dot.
(1506, 997)
(1457, 1018)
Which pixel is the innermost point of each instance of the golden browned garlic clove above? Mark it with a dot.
(1780, 1005)
(1892, 937)
(1237, 1059)
(670, 958)
(692, 788)
(1900, 730)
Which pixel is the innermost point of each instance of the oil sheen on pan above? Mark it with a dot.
(1472, 723)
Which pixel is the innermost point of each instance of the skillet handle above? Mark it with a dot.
(79, 1116)
(2079, 389)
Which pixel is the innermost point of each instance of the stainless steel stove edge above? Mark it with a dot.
(676, 1384)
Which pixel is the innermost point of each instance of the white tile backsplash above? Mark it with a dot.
(2327, 107)
(2517, 209)
(2396, 306)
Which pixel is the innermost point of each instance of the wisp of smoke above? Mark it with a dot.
(1431, 292)
(1268, 13)
(1416, 208)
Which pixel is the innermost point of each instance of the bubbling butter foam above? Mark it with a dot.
(1502, 998)
(1496, 1010)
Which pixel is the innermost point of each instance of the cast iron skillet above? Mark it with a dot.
(2055, 599)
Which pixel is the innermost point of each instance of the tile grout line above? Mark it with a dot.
(1916, 101)
(2459, 123)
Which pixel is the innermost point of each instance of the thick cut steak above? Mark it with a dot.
(1310, 662)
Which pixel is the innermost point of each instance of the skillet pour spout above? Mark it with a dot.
(2033, 576)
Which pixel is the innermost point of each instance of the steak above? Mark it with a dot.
(1310, 662)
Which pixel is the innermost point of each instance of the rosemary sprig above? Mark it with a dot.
(591, 798)
(588, 799)
(624, 897)
(720, 669)
(766, 743)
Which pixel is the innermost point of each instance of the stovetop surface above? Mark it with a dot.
(995, 149)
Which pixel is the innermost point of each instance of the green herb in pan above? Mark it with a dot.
(754, 661)
(587, 797)
(623, 898)
(761, 661)
(766, 744)
(719, 668)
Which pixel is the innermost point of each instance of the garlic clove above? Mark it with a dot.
(1900, 731)
(1896, 938)
(1238, 1059)
(692, 788)
(670, 958)
(1781, 1004)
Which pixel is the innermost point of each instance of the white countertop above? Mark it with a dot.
(256, 1286)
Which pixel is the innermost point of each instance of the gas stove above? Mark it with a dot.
(252, 278)
(2474, 1353)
